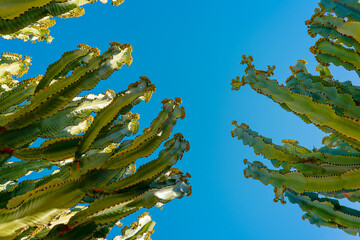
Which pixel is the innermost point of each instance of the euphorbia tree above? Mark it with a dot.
(95, 165)
(315, 178)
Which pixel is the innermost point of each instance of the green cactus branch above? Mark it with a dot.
(291, 155)
(322, 115)
(31, 20)
(94, 163)
(343, 8)
(327, 211)
(332, 170)
(335, 30)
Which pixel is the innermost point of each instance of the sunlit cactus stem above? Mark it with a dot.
(94, 181)
(31, 20)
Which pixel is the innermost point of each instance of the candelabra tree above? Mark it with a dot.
(315, 178)
(94, 182)
(31, 20)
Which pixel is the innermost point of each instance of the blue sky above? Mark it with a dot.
(192, 49)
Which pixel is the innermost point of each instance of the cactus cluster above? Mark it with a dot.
(315, 178)
(31, 20)
(94, 181)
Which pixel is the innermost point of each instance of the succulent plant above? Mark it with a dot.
(94, 181)
(31, 20)
(315, 178)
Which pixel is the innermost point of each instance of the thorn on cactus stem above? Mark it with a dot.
(7, 149)
(66, 229)
(98, 190)
(309, 161)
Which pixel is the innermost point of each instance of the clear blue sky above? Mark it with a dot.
(192, 49)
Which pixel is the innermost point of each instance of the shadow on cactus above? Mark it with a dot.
(95, 165)
(333, 170)
(31, 20)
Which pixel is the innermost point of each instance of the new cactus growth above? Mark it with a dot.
(31, 20)
(94, 164)
(315, 178)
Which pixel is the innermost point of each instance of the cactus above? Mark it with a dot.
(315, 179)
(31, 20)
(95, 182)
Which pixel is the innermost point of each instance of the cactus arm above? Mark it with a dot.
(108, 114)
(341, 30)
(20, 199)
(343, 8)
(96, 157)
(13, 9)
(74, 111)
(57, 123)
(327, 80)
(66, 59)
(117, 206)
(52, 150)
(76, 127)
(263, 145)
(308, 163)
(314, 219)
(145, 144)
(20, 137)
(47, 103)
(76, 64)
(93, 161)
(39, 207)
(31, 213)
(291, 152)
(61, 148)
(349, 29)
(12, 65)
(18, 94)
(16, 190)
(329, 26)
(328, 210)
(322, 115)
(300, 183)
(41, 232)
(129, 151)
(329, 52)
(323, 91)
(167, 158)
(352, 142)
(29, 185)
(22, 14)
(143, 228)
(324, 169)
(14, 171)
(117, 131)
(30, 110)
(30, 20)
